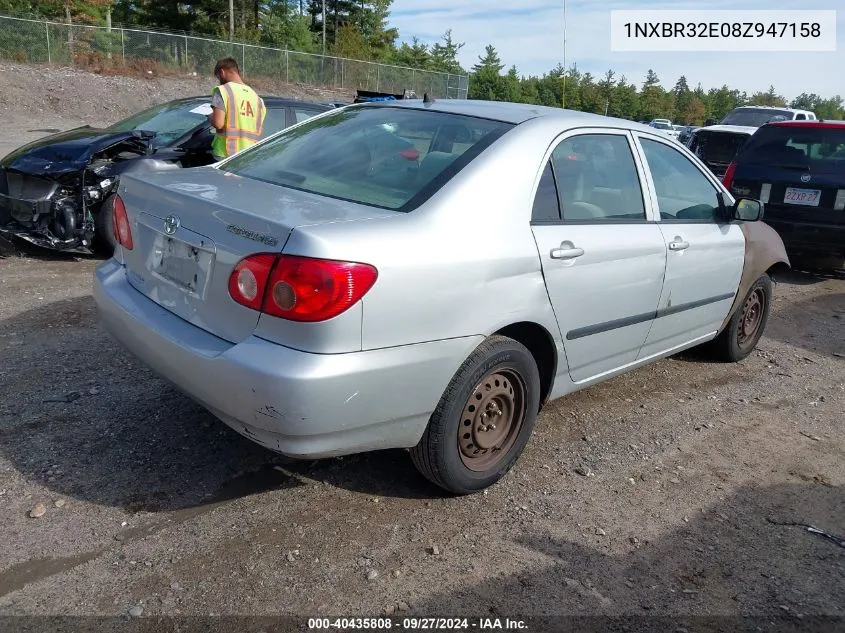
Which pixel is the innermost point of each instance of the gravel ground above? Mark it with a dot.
(676, 490)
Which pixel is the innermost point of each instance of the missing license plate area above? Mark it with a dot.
(182, 264)
(805, 197)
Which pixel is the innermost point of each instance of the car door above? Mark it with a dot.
(705, 253)
(603, 259)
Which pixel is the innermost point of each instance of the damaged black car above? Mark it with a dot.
(57, 192)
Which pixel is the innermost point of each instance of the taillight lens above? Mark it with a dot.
(248, 280)
(122, 231)
(728, 178)
(300, 288)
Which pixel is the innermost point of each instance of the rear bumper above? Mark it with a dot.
(296, 403)
(810, 238)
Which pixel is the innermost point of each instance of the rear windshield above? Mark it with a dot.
(755, 117)
(389, 157)
(814, 149)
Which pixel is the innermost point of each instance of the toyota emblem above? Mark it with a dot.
(805, 178)
(171, 224)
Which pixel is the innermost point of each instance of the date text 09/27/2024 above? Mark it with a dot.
(416, 624)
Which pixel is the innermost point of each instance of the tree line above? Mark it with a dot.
(360, 29)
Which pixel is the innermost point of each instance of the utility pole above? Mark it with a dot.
(563, 94)
(231, 20)
(324, 27)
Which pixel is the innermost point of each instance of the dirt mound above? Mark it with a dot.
(60, 98)
(77, 94)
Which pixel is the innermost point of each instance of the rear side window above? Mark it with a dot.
(302, 114)
(389, 157)
(274, 120)
(546, 205)
(813, 149)
(597, 179)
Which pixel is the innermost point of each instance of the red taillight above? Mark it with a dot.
(122, 232)
(248, 280)
(728, 178)
(299, 288)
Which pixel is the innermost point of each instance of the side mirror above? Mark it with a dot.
(747, 210)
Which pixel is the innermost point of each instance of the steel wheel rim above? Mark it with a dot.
(491, 420)
(751, 318)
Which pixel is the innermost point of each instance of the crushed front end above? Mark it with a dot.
(55, 203)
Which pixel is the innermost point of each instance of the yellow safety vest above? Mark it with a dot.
(244, 119)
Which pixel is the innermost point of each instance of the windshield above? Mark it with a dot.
(755, 117)
(170, 121)
(661, 126)
(388, 157)
(813, 149)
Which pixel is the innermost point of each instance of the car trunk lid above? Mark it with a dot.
(190, 228)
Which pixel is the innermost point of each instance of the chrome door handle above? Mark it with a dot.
(567, 250)
(678, 245)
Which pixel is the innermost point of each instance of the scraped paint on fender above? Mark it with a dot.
(763, 249)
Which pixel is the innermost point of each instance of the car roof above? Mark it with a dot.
(507, 112)
(822, 124)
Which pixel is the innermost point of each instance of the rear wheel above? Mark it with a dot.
(104, 240)
(745, 328)
(483, 420)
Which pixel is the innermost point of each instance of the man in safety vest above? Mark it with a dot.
(237, 112)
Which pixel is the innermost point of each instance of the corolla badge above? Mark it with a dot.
(171, 223)
(805, 178)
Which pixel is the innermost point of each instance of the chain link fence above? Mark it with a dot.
(86, 46)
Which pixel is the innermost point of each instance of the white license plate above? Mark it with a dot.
(182, 264)
(806, 197)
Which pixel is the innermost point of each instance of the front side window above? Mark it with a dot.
(597, 179)
(389, 157)
(683, 192)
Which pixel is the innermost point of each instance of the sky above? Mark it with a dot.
(529, 34)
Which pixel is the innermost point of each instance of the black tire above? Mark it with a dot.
(104, 242)
(736, 341)
(502, 374)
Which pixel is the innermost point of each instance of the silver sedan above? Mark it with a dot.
(426, 275)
